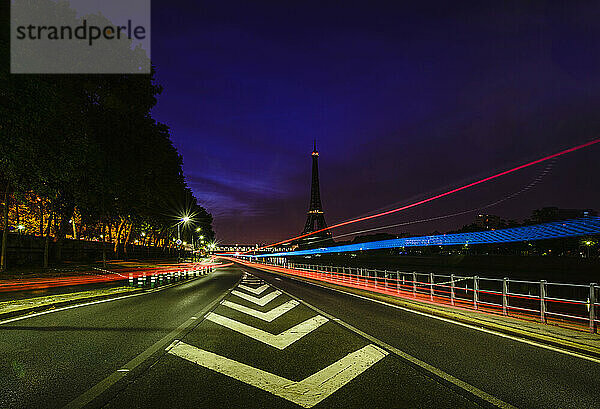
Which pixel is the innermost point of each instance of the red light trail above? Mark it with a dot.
(93, 278)
(439, 196)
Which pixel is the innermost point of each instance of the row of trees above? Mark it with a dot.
(86, 147)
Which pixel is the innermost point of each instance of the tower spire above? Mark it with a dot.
(315, 219)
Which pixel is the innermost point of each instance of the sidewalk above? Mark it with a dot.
(25, 306)
(576, 341)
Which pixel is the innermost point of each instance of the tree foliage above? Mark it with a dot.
(87, 144)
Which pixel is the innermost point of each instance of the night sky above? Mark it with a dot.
(405, 99)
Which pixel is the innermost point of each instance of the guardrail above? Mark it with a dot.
(566, 305)
(156, 279)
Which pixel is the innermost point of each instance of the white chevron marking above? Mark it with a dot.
(260, 301)
(280, 341)
(307, 392)
(265, 316)
(256, 291)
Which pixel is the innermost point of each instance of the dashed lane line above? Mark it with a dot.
(306, 393)
(279, 341)
(101, 387)
(256, 291)
(268, 316)
(264, 300)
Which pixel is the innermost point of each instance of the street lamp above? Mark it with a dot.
(588, 244)
(184, 220)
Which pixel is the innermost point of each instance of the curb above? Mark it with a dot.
(66, 303)
(415, 306)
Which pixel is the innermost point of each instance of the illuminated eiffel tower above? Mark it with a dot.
(315, 219)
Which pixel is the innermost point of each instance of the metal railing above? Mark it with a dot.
(156, 279)
(566, 305)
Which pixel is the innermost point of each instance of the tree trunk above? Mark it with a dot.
(118, 238)
(47, 240)
(17, 214)
(41, 219)
(67, 214)
(102, 233)
(127, 239)
(4, 230)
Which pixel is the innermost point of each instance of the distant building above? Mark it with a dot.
(488, 221)
(551, 214)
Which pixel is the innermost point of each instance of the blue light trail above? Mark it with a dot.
(554, 230)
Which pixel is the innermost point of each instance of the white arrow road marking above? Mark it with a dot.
(306, 393)
(260, 301)
(265, 316)
(280, 341)
(256, 291)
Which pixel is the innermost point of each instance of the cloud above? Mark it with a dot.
(234, 194)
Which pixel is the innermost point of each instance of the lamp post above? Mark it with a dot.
(183, 220)
(194, 248)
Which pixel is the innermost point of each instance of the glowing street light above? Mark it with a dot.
(185, 219)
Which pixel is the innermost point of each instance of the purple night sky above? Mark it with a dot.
(404, 101)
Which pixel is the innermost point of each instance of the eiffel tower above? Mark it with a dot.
(315, 219)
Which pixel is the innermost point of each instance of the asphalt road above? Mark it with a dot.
(48, 360)
(275, 342)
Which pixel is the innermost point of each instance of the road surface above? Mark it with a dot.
(241, 338)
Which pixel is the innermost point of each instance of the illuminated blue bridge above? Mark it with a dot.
(555, 230)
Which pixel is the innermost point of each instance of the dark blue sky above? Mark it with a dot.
(404, 101)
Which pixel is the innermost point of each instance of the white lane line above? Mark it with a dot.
(260, 301)
(307, 392)
(463, 324)
(69, 307)
(265, 316)
(101, 387)
(279, 341)
(257, 291)
(172, 344)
